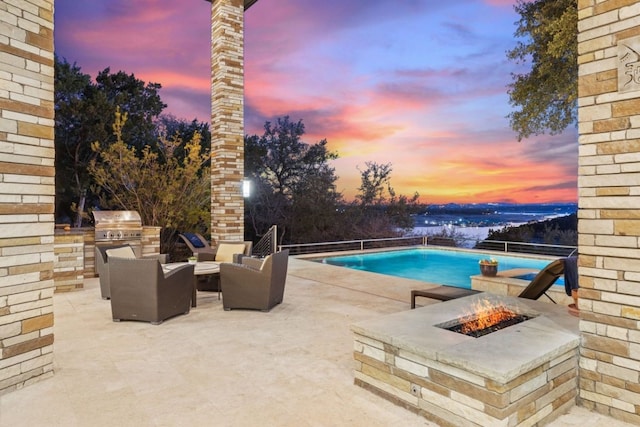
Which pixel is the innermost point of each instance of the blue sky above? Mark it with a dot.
(421, 84)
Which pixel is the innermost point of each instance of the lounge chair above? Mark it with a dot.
(536, 288)
(197, 244)
(225, 251)
(441, 293)
(255, 284)
(544, 280)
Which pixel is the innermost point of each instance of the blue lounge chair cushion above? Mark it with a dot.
(195, 241)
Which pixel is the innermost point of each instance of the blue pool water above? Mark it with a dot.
(446, 267)
(528, 276)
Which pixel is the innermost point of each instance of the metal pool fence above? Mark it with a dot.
(394, 242)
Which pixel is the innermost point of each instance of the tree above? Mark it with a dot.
(374, 180)
(294, 187)
(545, 98)
(315, 205)
(293, 183)
(82, 114)
(167, 191)
(141, 101)
(378, 210)
(168, 126)
(556, 231)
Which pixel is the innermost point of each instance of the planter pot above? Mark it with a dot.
(489, 270)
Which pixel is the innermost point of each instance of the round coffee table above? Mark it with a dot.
(201, 268)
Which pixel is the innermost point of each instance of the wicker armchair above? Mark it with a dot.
(225, 251)
(254, 284)
(140, 290)
(201, 249)
(102, 260)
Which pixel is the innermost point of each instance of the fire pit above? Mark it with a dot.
(525, 373)
(484, 318)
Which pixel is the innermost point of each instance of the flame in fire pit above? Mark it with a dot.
(485, 314)
(485, 317)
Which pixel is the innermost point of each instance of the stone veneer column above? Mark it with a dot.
(26, 192)
(227, 119)
(609, 206)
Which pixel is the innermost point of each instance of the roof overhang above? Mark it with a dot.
(247, 3)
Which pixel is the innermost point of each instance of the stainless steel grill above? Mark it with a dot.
(117, 227)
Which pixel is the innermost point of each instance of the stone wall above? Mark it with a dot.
(26, 192)
(227, 120)
(609, 206)
(68, 262)
(89, 252)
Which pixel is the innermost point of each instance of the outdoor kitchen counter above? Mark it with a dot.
(72, 231)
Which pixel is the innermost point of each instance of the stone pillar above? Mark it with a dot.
(26, 192)
(227, 119)
(609, 206)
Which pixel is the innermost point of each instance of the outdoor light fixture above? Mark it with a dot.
(246, 188)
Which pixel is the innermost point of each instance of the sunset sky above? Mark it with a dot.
(421, 84)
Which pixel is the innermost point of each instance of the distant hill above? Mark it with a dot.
(557, 231)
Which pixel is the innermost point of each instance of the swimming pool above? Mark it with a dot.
(446, 267)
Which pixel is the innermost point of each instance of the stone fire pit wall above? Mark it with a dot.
(521, 375)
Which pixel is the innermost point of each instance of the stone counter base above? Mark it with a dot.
(68, 264)
(522, 375)
(450, 399)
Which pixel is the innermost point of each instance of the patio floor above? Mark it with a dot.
(292, 366)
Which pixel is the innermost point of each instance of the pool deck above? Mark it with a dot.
(292, 366)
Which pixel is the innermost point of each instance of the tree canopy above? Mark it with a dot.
(116, 150)
(141, 101)
(81, 116)
(85, 113)
(294, 187)
(545, 97)
(293, 183)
